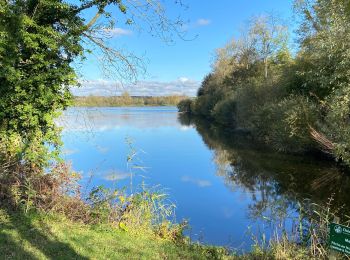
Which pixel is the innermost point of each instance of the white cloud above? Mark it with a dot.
(203, 22)
(116, 32)
(183, 79)
(116, 176)
(102, 149)
(200, 183)
(69, 151)
(198, 23)
(185, 128)
(100, 87)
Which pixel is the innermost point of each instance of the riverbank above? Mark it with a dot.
(132, 217)
(39, 236)
(45, 236)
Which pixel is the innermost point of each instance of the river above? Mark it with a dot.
(229, 189)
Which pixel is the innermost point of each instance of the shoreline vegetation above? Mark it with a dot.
(294, 101)
(126, 100)
(54, 236)
(51, 235)
(51, 217)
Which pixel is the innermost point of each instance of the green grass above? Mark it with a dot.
(38, 236)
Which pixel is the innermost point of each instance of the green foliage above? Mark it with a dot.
(38, 42)
(323, 69)
(285, 125)
(324, 55)
(53, 236)
(185, 105)
(225, 111)
(336, 122)
(294, 104)
(147, 211)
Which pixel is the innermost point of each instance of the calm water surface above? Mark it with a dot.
(227, 188)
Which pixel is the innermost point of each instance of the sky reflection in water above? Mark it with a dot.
(200, 181)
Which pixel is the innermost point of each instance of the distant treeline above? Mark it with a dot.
(294, 100)
(127, 100)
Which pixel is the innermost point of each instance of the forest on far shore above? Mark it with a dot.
(126, 100)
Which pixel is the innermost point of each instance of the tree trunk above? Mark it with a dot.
(265, 65)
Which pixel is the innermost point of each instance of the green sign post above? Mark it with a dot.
(339, 238)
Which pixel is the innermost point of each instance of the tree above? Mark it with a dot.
(325, 43)
(39, 40)
(323, 70)
(270, 36)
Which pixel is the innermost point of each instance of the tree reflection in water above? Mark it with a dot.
(279, 184)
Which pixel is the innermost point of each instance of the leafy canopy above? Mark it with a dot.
(39, 40)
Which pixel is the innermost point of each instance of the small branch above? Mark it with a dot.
(93, 20)
(126, 66)
(321, 139)
(86, 6)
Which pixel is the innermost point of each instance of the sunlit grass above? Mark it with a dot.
(36, 236)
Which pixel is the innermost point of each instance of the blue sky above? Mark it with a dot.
(179, 67)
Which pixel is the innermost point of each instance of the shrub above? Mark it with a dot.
(204, 105)
(58, 191)
(185, 106)
(286, 124)
(336, 125)
(224, 112)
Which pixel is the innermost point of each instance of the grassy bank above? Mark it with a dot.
(127, 100)
(37, 236)
(110, 224)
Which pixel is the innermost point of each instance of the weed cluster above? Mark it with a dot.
(307, 240)
(59, 192)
